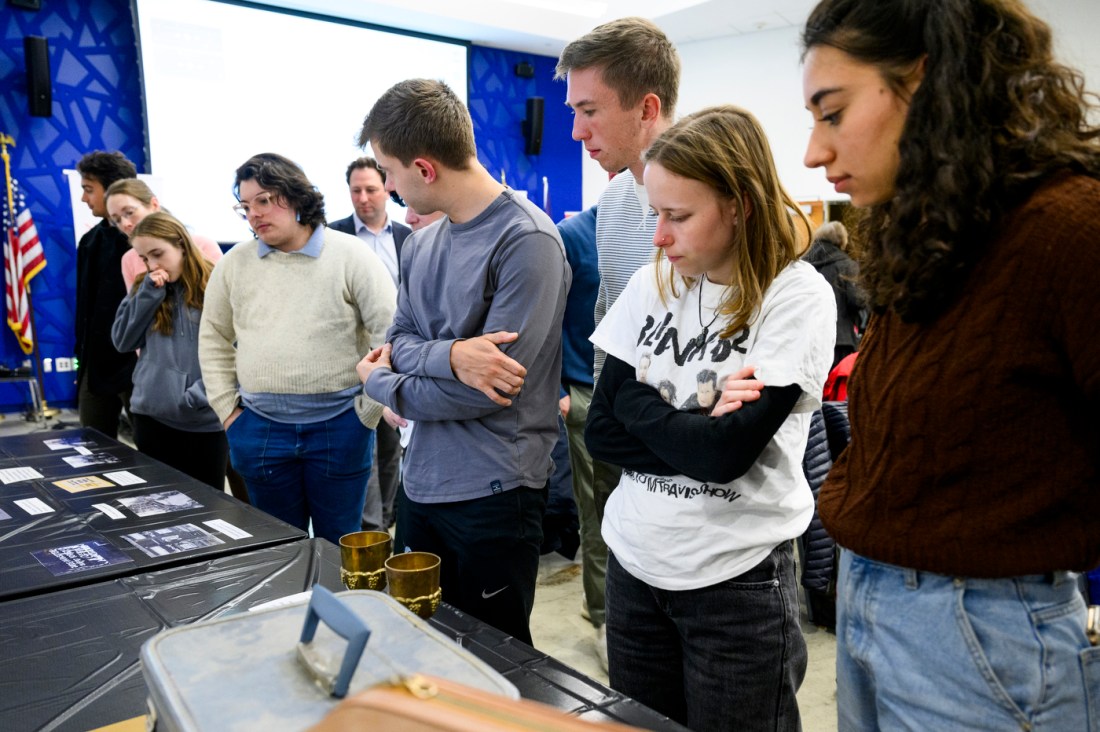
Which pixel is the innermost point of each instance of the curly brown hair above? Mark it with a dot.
(994, 116)
(288, 182)
(106, 167)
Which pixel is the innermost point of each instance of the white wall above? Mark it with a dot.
(761, 72)
(1074, 24)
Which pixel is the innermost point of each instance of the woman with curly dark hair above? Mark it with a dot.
(969, 494)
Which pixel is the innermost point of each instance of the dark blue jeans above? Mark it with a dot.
(299, 472)
(726, 657)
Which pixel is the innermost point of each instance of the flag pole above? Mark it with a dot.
(39, 408)
(42, 410)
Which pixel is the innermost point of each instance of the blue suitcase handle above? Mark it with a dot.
(325, 606)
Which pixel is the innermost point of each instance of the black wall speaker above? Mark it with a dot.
(39, 89)
(532, 126)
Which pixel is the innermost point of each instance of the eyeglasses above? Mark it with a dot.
(260, 204)
(127, 214)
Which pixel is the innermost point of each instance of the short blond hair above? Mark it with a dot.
(634, 57)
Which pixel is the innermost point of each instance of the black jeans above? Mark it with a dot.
(100, 411)
(726, 657)
(490, 552)
(202, 455)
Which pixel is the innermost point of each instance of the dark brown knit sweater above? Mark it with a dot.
(976, 438)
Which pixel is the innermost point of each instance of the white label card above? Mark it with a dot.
(124, 477)
(108, 510)
(228, 529)
(82, 450)
(34, 506)
(298, 599)
(15, 475)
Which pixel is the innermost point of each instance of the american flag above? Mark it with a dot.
(23, 259)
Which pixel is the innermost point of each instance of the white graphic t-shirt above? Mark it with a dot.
(677, 533)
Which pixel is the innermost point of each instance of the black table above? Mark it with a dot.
(81, 537)
(542, 678)
(70, 658)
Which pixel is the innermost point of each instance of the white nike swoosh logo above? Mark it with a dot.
(486, 595)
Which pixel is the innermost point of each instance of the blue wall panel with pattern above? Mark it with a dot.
(96, 106)
(498, 105)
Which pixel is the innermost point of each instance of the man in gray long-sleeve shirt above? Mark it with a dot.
(476, 356)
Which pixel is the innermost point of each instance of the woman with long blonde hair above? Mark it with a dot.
(702, 610)
(173, 421)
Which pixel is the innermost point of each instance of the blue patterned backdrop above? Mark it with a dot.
(498, 104)
(97, 106)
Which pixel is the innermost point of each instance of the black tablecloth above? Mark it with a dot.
(70, 658)
(78, 531)
(542, 678)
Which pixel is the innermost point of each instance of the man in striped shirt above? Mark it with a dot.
(622, 82)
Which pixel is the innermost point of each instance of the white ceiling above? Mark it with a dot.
(545, 26)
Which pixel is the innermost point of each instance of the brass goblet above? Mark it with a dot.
(362, 559)
(414, 581)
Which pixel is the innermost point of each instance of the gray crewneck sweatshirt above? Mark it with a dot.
(503, 271)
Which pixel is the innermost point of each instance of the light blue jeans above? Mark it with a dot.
(923, 651)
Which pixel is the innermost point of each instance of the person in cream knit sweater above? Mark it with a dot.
(287, 317)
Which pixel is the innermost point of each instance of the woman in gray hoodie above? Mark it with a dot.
(173, 421)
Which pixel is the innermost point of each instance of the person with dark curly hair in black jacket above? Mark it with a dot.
(967, 498)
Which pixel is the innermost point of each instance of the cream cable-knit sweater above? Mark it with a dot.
(300, 324)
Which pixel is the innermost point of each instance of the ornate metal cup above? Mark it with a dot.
(362, 559)
(414, 581)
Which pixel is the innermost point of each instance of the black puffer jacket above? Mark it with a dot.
(818, 566)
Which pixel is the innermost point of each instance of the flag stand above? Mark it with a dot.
(39, 411)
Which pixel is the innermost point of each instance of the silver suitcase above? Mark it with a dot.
(281, 669)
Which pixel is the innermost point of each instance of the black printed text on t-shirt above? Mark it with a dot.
(662, 336)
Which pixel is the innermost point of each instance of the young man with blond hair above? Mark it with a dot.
(622, 83)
